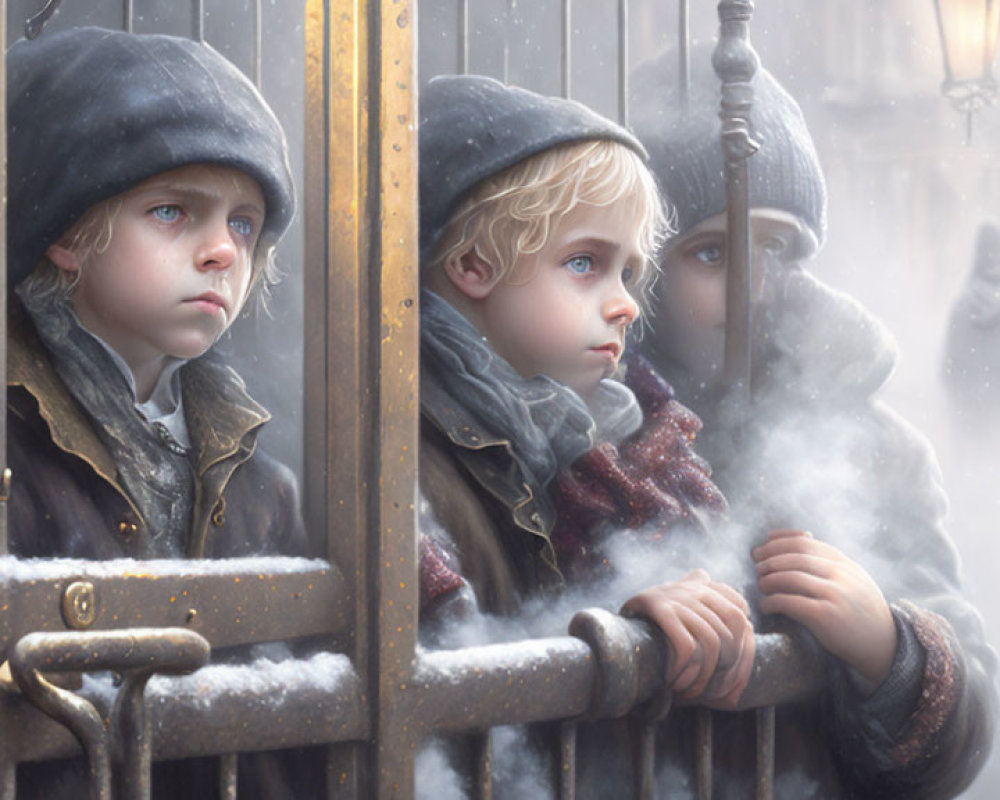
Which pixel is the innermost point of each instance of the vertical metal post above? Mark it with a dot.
(482, 788)
(228, 776)
(127, 16)
(646, 759)
(735, 63)
(683, 54)
(703, 752)
(199, 20)
(5, 476)
(765, 753)
(393, 339)
(340, 380)
(566, 25)
(567, 761)
(8, 777)
(258, 34)
(623, 61)
(463, 37)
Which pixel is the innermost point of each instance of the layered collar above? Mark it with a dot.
(478, 399)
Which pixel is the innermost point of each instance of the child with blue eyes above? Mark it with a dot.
(538, 223)
(148, 186)
(142, 216)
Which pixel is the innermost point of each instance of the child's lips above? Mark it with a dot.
(211, 302)
(611, 349)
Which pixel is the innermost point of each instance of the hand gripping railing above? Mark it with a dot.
(137, 653)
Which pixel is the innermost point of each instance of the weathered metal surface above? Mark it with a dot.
(261, 706)
(567, 760)
(32, 28)
(393, 569)
(146, 651)
(765, 753)
(623, 653)
(735, 63)
(217, 710)
(623, 61)
(229, 603)
(703, 753)
(482, 782)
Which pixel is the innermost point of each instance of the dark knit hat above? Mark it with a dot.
(686, 155)
(472, 127)
(93, 112)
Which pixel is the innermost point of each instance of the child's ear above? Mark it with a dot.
(63, 257)
(472, 275)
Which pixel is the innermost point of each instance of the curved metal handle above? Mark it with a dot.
(169, 650)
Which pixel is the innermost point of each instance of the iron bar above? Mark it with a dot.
(228, 776)
(765, 753)
(133, 732)
(463, 37)
(230, 602)
(258, 42)
(128, 16)
(340, 376)
(8, 777)
(683, 54)
(623, 61)
(566, 25)
(168, 650)
(703, 752)
(33, 26)
(199, 20)
(646, 759)
(482, 786)
(567, 760)
(268, 705)
(5, 473)
(735, 63)
(392, 387)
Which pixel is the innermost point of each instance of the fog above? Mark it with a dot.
(906, 192)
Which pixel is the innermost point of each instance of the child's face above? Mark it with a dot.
(690, 322)
(178, 266)
(563, 311)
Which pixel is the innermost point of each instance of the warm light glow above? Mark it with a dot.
(969, 30)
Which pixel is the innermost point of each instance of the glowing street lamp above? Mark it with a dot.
(969, 31)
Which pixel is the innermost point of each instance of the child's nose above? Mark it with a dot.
(621, 308)
(217, 250)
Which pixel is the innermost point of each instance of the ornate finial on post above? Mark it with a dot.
(735, 62)
(34, 26)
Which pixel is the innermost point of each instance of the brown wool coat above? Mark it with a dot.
(66, 500)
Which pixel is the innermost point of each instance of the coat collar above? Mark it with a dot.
(220, 412)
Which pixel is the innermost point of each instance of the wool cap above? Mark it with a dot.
(93, 112)
(472, 127)
(686, 153)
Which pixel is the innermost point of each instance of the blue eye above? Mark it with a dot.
(709, 255)
(242, 225)
(166, 213)
(628, 274)
(580, 265)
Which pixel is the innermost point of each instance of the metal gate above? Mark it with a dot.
(371, 695)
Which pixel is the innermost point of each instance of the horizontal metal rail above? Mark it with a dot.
(229, 602)
(267, 705)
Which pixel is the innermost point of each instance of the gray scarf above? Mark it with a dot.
(548, 424)
(153, 466)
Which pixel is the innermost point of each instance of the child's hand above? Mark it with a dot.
(710, 634)
(815, 584)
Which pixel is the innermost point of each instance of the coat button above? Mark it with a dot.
(127, 528)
